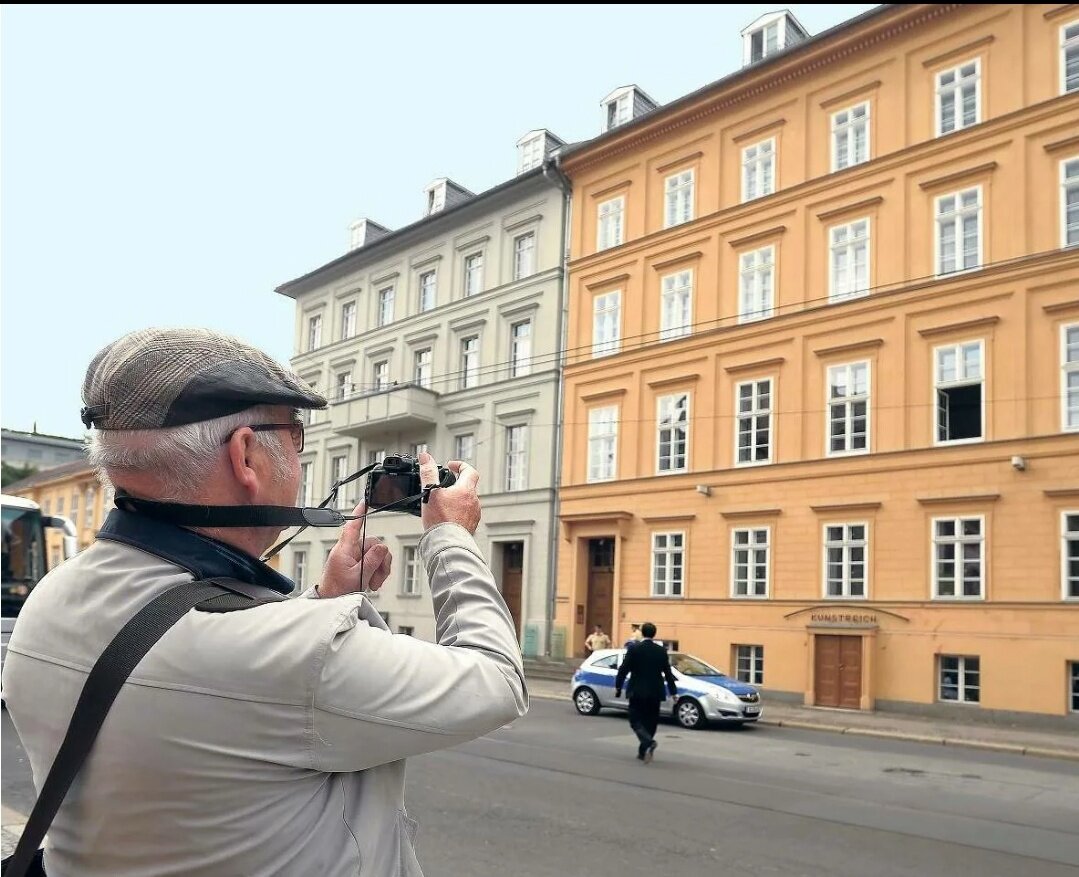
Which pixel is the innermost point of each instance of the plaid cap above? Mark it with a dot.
(157, 378)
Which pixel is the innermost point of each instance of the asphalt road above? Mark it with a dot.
(559, 794)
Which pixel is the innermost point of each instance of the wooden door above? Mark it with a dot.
(838, 671)
(850, 672)
(513, 554)
(600, 609)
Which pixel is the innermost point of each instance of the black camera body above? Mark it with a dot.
(396, 479)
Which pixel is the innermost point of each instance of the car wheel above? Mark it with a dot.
(586, 701)
(689, 714)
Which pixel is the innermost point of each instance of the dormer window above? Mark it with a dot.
(764, 42)
(618, 111)
(436, 199)
(625, 104)
(443, 193)
(771, 34)
(534, 147)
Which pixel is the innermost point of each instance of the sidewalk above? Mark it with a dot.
(1015, 740)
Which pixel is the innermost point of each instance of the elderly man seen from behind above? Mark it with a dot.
(269, 741)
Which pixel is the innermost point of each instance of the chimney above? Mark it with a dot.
(771, 34)
(363, 232)
(443, 193)
(624, 105)
(534, 147)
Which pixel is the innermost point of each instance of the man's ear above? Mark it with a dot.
(240, 448)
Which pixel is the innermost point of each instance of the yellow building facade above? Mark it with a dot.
(822, 389)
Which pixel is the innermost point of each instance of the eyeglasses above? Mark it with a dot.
(295, 428)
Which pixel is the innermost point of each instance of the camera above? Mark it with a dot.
(396, 479)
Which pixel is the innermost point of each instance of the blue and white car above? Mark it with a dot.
(704, 693)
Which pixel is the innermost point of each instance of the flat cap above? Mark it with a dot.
(157, 378)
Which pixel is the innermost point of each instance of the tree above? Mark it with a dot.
(12, 473)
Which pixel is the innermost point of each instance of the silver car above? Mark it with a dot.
(704, 693)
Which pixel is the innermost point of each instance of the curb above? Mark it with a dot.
(801, 725)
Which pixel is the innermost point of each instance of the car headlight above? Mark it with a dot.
(723, 695)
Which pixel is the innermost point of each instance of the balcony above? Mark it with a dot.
(400, 408)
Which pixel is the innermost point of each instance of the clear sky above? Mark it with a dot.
(169, 166)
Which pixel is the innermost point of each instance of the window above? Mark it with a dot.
(307, 414)
(381, 370)
(314, 332)
(375, 456)
(850, 261)
(960, 679)
(516, 461)
(749, 562)
(959, 231)
(606, 323)
(89, 503)
(1069, 58)
(1069, 555)
(759, 170)
(46, 507)
(385, 306)
(338, 472)
(428, 290)
(602, 443)
(521, 349)
(959, 97)
(848, 408)
(850, 136)
(470, 362)
(676, 306)
(59, 505)
(421, 372)
(960, 392)
(348, 320)
(74, 508)
(410, 584)
(405, 630)
(678, 194)
(1069, 377)
(609, 233)
(844, 560)
(668, 564)
(531, 154)
(749, 664)
(753, 422)
(959, 558)
(756, 289)
(619, 110)
(304, 498)
(764, 42)
(524, 256)
(1069, 196)
(473, 274)
(672, 427)
(343, 385)
(299, 567)
(464, 447)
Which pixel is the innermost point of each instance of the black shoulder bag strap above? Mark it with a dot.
(103, 683)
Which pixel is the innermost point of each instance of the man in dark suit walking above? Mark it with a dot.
(648, 666)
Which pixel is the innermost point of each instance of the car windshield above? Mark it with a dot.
(690, 666)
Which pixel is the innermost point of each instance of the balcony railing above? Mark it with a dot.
(399, 407)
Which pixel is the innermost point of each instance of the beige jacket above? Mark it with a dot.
(269, 741)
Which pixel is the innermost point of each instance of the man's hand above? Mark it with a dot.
(350, 569)
(458, 504)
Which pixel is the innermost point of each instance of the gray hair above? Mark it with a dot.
(181, 458)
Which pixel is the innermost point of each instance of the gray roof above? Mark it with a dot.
(53, 473)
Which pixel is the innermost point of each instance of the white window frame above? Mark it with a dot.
(753, 674)
(610, 223)
(464, 447)
(380, 371)
(1068, 45)
(752, 545)
(602, 320)
(516, 457)
(521, 348)
(671, 421)
(753, 266)
(531, 155)
(857, 236)
(422, 364)
(957, 218)
(848, 402)
(339, 471)
(679, 192)
(386, 297)
(73, 514)
(411, 581)
(961, 380)
(602, 443)
(1067, 538)
(850, 126)
(470, 362)
(623, 110)
(1068, 182)
(752, 415)
(957, 88)
(1069, 404)
(428, 290)
(961, 682)
(348, 320)
(314, 332)
(846, 544)
(342, 385)
(473, 274)
(307, 470)
(676, 296)
(299, 566)
(667, 586)
(958, 540)
(755, 158)
(524, 255)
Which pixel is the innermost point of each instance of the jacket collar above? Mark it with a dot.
(203, 557)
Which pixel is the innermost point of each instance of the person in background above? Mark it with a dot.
(635, 636)
(597, 640)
